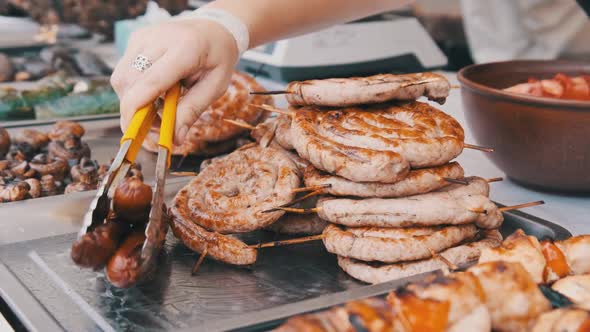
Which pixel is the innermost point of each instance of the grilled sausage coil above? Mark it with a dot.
(376, 143)
(368, 90)
(394, 245)
(230, 195)
(210, 135)
(417, 182)
(451, 205)
(460, 255)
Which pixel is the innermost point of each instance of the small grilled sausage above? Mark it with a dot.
(124, 267)
(220, 247)
(94, 248)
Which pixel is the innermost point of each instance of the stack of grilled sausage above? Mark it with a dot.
(383, 166)
(503, 292)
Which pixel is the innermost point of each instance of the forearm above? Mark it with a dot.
(269, 20)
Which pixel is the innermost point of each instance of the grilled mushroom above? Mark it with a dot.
(35, 138)
(21, 152)
(4, 142)
(84, 164)
(43, 165)
(49, 187)
(71, 149)
(63, 129)
(15, 191)
(35, 188)
(22, 170)
(87, 181)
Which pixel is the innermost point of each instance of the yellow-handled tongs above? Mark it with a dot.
(130, 145)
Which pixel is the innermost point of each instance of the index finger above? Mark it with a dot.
(155, 81)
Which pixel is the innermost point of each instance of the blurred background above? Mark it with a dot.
(60, 53)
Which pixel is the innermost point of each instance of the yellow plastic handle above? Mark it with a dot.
(168, 120)
(138, 129)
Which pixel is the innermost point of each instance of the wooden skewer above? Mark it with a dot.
(465, 182)
(272, 92)
(293, 210)
(181, 161)
(312, 188)
(269, 108)
(521, 206)
(475, 147)
(457, 181)
(513, 207)
(302, 198)
(287, 242)
(284, 92)
(240, 124)
(184, 173)
(440, 257)
(201, 258)
(428, 80)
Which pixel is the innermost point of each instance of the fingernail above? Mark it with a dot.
(181, 135)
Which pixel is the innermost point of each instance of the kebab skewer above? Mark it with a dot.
(508, 293)
(338, 92)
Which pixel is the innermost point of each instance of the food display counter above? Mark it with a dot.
(47, 292)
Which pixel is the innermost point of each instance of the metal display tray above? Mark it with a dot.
(47, 292)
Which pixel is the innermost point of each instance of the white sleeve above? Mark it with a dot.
(520, 29)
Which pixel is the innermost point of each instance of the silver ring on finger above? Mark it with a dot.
(141, 63)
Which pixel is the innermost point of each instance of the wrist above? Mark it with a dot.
(232, 24)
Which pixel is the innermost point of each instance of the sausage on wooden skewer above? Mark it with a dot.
(452, 205)
(417, 182)
(366, 90)
(393, 245)
(459, 256)
(210, 135)
(229, 195)
(376, 144)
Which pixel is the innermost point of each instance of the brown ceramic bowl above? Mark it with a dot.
(539, 142)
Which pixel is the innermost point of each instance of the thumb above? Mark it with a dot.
(207, 90)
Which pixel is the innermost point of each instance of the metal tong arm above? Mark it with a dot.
(157, 227)
(130, 146)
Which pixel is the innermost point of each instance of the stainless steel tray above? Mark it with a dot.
(47, 292)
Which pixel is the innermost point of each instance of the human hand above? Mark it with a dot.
(199, 53)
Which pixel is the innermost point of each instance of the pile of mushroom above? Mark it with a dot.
(36, 164)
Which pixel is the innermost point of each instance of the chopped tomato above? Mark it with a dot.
(421, 314)
(560, 87)
(556, 267)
